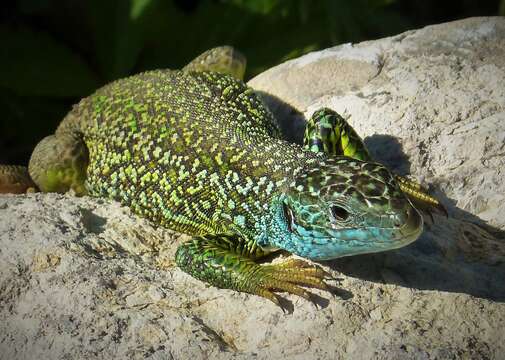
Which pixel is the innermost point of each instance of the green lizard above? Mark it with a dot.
(196, 151)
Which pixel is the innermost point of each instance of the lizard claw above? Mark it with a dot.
(420, 196)
(289, 276)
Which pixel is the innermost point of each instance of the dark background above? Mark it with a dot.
(54, 52)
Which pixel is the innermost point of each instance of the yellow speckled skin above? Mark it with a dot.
(177, 148)
(196, 152)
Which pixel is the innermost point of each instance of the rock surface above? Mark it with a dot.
(84, 278)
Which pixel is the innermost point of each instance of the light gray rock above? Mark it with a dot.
(84, 278)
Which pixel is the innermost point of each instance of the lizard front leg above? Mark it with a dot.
(227, 262)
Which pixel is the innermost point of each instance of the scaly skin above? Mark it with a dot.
(197, 152)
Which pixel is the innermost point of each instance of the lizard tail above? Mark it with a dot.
(58, 164)
(15, 180)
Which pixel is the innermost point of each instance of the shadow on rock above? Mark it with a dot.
(451, 255)
(290, 120)
(461, 254)
(387, 150)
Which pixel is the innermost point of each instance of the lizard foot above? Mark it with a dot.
(288, 276)
(217, 260)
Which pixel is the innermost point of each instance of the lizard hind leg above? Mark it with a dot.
(222, 59)
(330, 133)
(59, 162)
(227, 262)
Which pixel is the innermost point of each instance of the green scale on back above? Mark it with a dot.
(186, 159)
(197, 152)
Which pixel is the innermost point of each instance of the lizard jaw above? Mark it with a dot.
(325, 243)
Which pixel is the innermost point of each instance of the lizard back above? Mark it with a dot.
(193, 151)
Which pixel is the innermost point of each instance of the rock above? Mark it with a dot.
(84, 278)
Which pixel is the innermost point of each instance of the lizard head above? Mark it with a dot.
(343, 207)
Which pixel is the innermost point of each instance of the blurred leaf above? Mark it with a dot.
(118, 30)
(138, 7)
(30, 6)
(268, 32)
(24, 121)
(258, 6)
(33, 63)
(298, 52)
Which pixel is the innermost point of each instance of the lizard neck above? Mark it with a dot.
(271, 169)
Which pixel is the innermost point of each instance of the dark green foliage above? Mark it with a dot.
(34, 64)
(54, 52)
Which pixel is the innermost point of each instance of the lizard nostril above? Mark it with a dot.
(397, 221)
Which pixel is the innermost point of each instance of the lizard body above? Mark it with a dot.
(196, 151)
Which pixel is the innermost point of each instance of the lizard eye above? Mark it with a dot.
(339, 213)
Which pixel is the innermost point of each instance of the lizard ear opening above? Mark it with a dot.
(288, 214)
